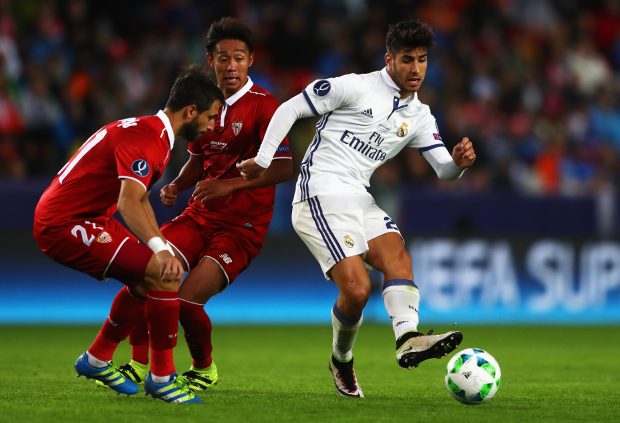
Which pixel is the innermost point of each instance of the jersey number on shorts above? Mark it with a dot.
(87, 238)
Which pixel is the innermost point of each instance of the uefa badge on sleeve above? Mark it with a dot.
(321, 88)
(140, 167)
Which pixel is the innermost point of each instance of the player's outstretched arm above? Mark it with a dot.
(249, 169)
(168, 194)
(451, 167)
(134, 206)
(279, 170)
(281, 122)
(208, 189)
(464, 154)
(191, 173)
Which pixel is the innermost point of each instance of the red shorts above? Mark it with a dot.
(232, 246)
(101, 247)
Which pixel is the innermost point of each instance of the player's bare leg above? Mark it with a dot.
(401, 298)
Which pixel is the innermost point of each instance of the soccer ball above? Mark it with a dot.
(473, 376)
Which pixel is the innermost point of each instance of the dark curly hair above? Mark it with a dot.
(228, 28)
(193, 87)
(408, 35)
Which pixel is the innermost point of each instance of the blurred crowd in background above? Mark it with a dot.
(534, 83)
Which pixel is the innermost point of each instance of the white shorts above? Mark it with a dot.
(337, 226)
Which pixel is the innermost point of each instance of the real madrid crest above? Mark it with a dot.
(403, 129)
(236, 127)
(348, 241)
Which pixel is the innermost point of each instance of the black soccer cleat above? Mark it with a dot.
(344, 378)
(414, 347)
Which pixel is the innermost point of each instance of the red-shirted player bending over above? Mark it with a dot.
(224, 226)
(74, 225)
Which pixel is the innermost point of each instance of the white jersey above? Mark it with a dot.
(363, 124)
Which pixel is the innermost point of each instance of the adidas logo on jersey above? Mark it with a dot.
(367, 113)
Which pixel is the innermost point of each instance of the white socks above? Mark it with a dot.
(95, 362)
(159, 379)
(402, 299)
(344, 334)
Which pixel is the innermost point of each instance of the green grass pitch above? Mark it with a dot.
(279, 374)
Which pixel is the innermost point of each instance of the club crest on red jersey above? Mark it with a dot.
(236, 127)
(104, 238)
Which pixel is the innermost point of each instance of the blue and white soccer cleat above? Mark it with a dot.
(108, 375)
(134, 371)
(176, 390)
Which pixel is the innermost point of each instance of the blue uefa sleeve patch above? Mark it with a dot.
(321, 88)
(140, 167)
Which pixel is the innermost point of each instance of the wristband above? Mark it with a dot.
(157, 245)
(262, 161)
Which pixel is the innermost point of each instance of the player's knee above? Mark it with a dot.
(157, 284)
(356, 295)
(139, 291)
(199, 293)
(206, 280)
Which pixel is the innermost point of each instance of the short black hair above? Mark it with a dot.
(408, 35)
(193, 86)
(228, 29)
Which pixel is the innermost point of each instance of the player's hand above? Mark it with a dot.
(210, 189)
(171, 267)
(463, 153)
(249, 169)
(168, 194)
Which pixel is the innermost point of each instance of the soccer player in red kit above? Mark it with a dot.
(224, 226)
(74, 225)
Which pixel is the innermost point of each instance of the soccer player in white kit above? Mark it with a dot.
(365, 120)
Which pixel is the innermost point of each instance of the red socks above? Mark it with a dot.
(162, 316)
(126, 309)
(139, 340)
(197, 326)
(131, 314)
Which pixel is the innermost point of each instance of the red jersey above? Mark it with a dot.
(237, 135)
(89, 184)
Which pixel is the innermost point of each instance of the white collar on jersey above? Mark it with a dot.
(385, 76)
(236, 96)
(233, 99)
(164, 118)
